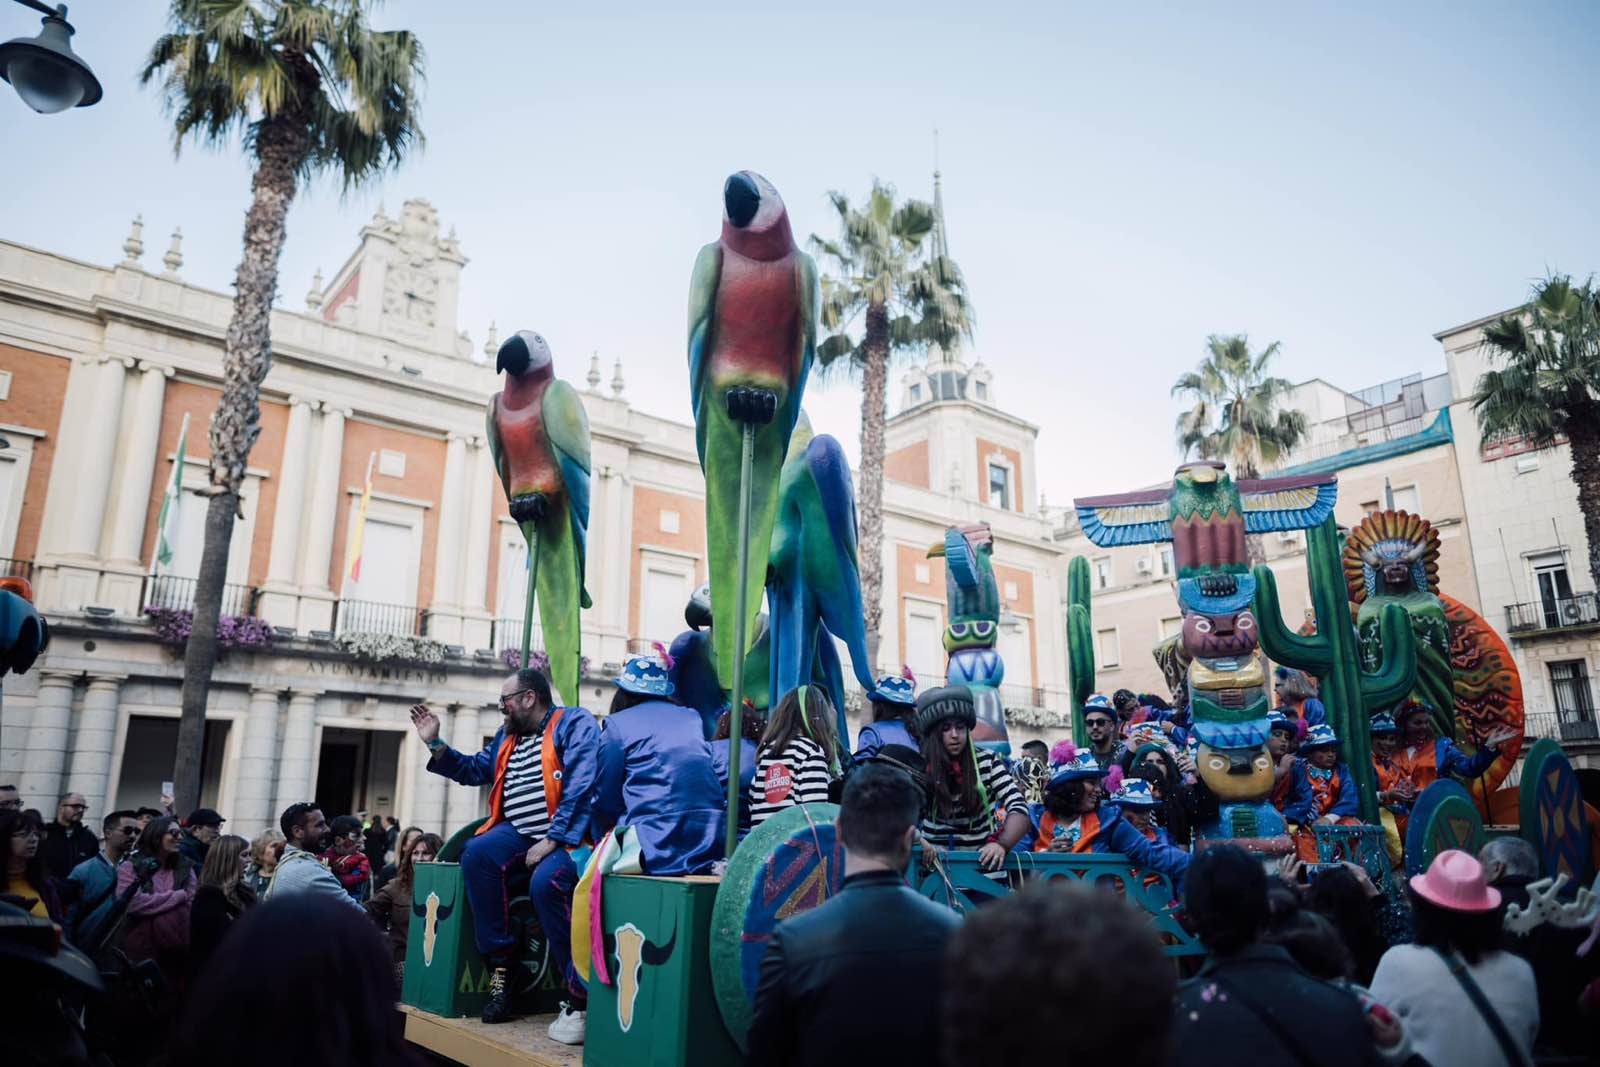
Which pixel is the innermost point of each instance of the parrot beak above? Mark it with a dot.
(513, 357)
(936, 550)
(741, 198)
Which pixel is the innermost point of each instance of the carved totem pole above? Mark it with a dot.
(972, 608)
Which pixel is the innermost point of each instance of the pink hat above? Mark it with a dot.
(1455, 881)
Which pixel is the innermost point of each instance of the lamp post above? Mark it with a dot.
(44, 70)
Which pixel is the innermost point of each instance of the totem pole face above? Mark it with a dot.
(1225, 679)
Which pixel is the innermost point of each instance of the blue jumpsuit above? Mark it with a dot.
(656, 776)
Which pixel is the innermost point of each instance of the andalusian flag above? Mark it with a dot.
(172, 504)
(360, 533)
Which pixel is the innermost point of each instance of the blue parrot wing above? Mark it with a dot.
(566, 424)
(492, 432)
(702, 301)
(841, 601)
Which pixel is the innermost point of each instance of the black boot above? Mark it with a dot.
(498, 1009)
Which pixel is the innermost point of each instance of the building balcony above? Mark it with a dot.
(1578, 612)
(1564, 726)
(507, 633)
(373, 617)
(171, 593)
(16, 568)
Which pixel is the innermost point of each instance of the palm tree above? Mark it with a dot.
(909, 294)
(311, 88)
(1550, 385)
(1235, 414)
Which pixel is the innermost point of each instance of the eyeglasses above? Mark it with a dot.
(508, 696)
(75, 807)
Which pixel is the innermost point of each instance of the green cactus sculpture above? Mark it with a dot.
(1333, 654)
(1080, 644)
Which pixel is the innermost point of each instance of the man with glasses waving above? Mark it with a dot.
(67, 842)
(541, 763)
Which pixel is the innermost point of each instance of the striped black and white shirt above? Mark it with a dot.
(970, 831)
(798, 774)
(524, 803)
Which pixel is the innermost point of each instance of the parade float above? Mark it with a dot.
(671, 963)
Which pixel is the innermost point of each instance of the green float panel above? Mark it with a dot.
(444, 973)
(660, 1008)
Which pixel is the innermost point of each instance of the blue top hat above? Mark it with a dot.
(892, 690)
(1383, 723)
(645, 675)
(1320, 735)
(1082, 765)
(1135, 793)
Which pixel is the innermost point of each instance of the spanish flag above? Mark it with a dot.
(359, 534)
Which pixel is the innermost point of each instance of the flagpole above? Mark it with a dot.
(171, 505)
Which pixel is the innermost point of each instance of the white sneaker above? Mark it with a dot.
(569, 1026)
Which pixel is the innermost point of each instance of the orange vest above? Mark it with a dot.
(1423, 768)
(1089, 829)
(549, 766)
(1323, 794)
(1388, 774)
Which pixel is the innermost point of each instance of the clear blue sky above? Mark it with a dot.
(1119, 184)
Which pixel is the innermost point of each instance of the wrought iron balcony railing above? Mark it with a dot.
(372, 617)
(173, 593)
(1556, 613)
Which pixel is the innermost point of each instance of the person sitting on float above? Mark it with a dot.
(1297, 697)
(751, 725)
(893, 702)
(967, 785)
(1182, 802)
(1282, 743)
(797, 761)
(655, 773)
(1100, 722)
(1395, 791)
(1074, 818)
(1425, 757)
(1322, 790)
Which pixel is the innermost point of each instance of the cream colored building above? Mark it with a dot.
(1531, 555)
(100, 364)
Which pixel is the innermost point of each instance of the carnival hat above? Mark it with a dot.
(1071, 764)
(1099, 702)
(1135, 793)
(1383, 723)
(1456, 881)
(892, 690)
(1320, 736)
(647, 675)
(945, 702)
(1277, 719)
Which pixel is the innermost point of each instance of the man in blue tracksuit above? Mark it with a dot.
(542, 764)
(656, 774)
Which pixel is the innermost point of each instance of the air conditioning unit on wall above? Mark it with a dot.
(1142, 566)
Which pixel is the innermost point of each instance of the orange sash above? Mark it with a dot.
(549, 767)
(1089, 829)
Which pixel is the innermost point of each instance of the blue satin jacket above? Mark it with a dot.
(875, 735)
(656, 776)
(1301, 807)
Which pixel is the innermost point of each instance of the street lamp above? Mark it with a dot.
(44, 70)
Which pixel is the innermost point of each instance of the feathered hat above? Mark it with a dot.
(897, 690)
(1068, 763)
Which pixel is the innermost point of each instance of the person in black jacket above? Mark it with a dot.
(1251, 1003)
(834, 984)
(66, 842)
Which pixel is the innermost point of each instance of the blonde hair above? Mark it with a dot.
(265, 840)
(222, 868)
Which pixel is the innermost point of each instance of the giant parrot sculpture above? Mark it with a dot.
(539, 437)
(752, 337)
(813, 574)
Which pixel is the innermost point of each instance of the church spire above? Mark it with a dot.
(941, 241)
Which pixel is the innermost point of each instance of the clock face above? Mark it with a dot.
(410, 295)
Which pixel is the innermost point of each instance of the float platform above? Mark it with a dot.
(520, 1043)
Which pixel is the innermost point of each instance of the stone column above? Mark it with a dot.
(257, 756)
(90, 767)
(46, 745)
(140, 460)
(428, 809)
(298, 757)
(461, 801)
(325, 490)
(282, 567)
(444, 621)
(98, 457)
(61, 495)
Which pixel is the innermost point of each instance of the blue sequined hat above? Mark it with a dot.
(1100, 702)
(1276, 718)
(1135, 793)
(1383, 723)
(1081, 765)
(646, 675)
(892, 690)
(1319, 736)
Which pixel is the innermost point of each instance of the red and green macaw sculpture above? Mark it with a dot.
(539, 437)
(752, 337)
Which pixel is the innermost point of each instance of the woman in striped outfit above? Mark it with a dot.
(967, 785)
(798, 758)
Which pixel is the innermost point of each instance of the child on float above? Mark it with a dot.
(1396, 794)
(967, 786)
(1283, 740)
(1322, 790)
(1075, 818)
(1424, 757)
(893, 703)
(751, 727)
(798, 758)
